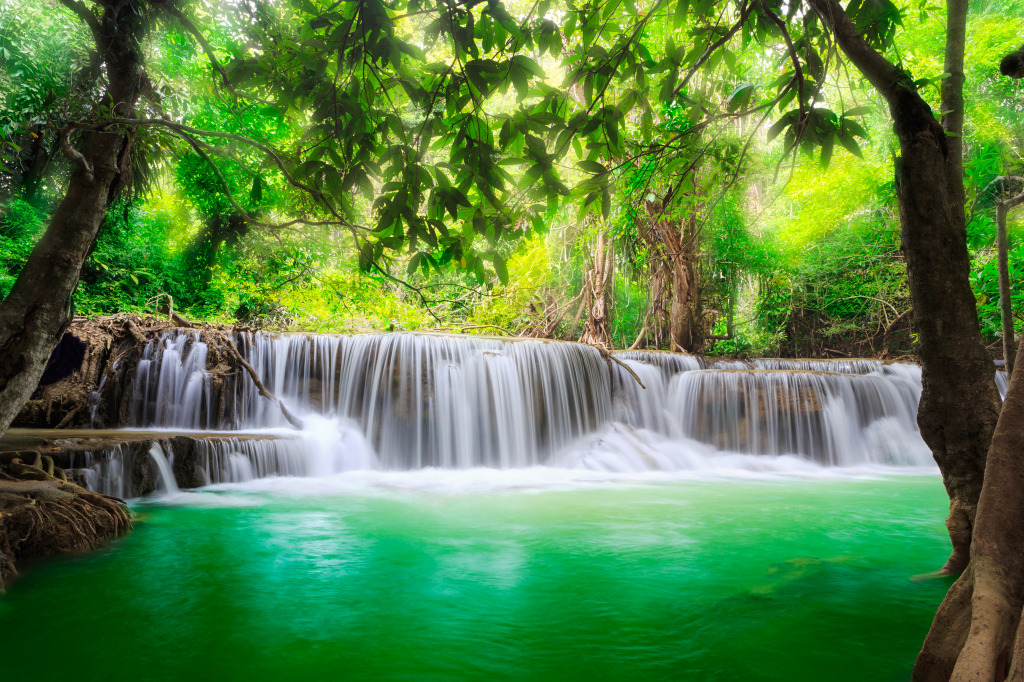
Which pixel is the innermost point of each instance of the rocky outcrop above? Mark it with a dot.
(94, 386)
(64, 398)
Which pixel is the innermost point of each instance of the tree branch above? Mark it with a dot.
(887, 78)
(86, 15)
(75, 156)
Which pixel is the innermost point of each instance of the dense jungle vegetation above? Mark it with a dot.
(724, 176)
(791, 251)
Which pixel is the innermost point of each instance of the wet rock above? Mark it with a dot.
(187, 468)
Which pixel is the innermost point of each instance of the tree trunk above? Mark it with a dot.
(959, 402)
(680, 330)
(678, 245)
(1005, 301)
(597, 330)
(38, 309)
(976, 633)
(952, 94)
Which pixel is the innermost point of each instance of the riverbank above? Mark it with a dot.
(42, 513)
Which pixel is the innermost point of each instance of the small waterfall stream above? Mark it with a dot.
(167, 480)
(409, 401)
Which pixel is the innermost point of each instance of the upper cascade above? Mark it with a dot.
(433, 400)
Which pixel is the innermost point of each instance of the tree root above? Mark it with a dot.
(41, 514)
(976, 634)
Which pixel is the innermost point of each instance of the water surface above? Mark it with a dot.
(496, 576)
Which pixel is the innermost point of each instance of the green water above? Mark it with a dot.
(723, 580)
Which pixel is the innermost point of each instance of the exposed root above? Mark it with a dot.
(69, 417)
(41, 514)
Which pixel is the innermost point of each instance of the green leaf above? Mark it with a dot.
(592, 167)
(679, 15)
(528, 65)
(365, 256)
(854, 128)
(827, 145)
(740, 97)
(414, 263)
(668, 85)
(857, 111)
(777, 128)
(851, 145)
(500, 268)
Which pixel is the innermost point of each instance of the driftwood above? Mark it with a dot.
(230, 348)
(610, 358)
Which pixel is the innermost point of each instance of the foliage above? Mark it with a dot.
(515, 305)
(21, 224)
(462, 157)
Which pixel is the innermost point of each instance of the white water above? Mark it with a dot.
(414, 401)
(164, 467)
(1002, 383)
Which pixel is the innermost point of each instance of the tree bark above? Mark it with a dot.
(597, 330)
(677, 242)
(952, 94)
(959, 402)
(39, 307)
(976, 633)
(1005, 300)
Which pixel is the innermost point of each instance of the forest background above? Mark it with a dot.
(746, 244)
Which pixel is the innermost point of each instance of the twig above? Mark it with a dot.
(251, 371)
(611, 358)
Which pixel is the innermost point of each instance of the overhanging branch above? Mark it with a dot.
(887, 78)
(86, 15)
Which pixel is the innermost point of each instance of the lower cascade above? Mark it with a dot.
(409, 401)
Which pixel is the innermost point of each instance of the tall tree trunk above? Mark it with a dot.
(1005, 301)
(597, 329)
(38, 309)
(952, 95)
(977, 634)
(678, 244)
(959, 402)
(680, 326)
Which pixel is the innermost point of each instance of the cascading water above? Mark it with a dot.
(172, 386)
(408, 401)
(1002, 383)
(831, 418)
(170, 485)
(136, 468)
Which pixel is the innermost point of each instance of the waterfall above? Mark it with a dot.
(164, 467)
(1002, 383)
(172, 386)
(831, 418)
(412, 400)
(138, 468)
